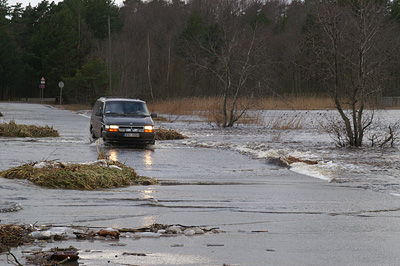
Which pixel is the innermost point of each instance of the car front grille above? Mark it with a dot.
(131, 129)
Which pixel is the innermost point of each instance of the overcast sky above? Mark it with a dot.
(35, 2)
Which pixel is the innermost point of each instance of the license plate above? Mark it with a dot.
(132, 135)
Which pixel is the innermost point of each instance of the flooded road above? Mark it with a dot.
(270, 215)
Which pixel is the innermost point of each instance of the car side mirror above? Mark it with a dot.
(153, 115)
(98, 113)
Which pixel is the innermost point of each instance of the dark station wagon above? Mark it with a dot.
(122, 120)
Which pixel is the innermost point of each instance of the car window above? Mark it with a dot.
(98, 108)
(126, 108)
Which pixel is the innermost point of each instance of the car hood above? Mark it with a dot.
(128, 120)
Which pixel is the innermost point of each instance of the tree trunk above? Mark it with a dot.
(148, 66)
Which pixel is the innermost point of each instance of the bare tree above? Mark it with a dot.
(232, 50)
(350, 45)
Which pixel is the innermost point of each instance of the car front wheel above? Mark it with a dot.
(92, 133)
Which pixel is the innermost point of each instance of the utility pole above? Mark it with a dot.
(109, 53)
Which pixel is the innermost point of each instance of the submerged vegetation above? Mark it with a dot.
(12, 129)
(168, 134)
(97, 175)
(12, 236)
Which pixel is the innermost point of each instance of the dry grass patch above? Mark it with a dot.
(98, 175)
(295, 103)
(184, 106)
(194, 105)
(168, 134)
(14, 130)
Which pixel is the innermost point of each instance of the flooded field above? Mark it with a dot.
(222, 178)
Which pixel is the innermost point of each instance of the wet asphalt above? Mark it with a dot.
(267, 215)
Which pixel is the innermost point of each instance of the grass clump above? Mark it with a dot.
(97, 175)
(14, 130)
(168, 134)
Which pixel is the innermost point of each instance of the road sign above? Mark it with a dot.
(42, 86)
(42, 80)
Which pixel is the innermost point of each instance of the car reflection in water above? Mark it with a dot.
(113, 155)
(148, 159)
(146, 193)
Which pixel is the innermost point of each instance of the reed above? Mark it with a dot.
(286, 121)
(295, 103)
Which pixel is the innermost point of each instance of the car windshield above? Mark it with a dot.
(126, 108)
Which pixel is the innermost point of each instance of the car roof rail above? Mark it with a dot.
(119, 97)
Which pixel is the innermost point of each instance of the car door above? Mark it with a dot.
(97, 118)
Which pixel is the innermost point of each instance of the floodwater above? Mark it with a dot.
(270, 215)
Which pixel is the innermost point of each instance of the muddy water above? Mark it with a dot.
(270, 215)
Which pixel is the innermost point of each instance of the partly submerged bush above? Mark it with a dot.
(101, 174)
(168, 134)
(14, 130)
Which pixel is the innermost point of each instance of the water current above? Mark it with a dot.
(375, 168)
(221, 178)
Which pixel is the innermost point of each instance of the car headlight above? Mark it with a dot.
(148, 129)
(112, 128)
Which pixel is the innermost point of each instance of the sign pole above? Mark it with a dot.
(61, 85)
(42, 82)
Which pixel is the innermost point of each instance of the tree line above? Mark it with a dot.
(167, 49)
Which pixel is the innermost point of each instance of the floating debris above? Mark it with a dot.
(177, 245)
(55, 256)
(15, 235)
(189, 232)
(12, 235)
(109, 232)
(170, 230)
(7, 206)
(215, 245)
(149, 234)
(292, 159)
(134, 254)
(65, 256)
